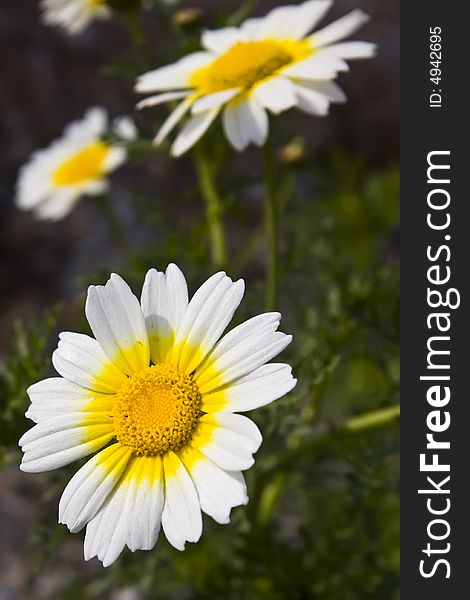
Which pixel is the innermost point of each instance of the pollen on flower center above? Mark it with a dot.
(95, 3)
(84, 166)
(156, 410)
(245, 64)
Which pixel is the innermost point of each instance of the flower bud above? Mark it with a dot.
(187, 18)
(294, 153)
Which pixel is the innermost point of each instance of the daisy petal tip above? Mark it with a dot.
(114, 277)
(157, 140)
(27, 467)
(292, 385)
(141, 105)
(249, 463)
(223, 520)
(361, 15)
(240, 285)
(173, 268)
(176, 151)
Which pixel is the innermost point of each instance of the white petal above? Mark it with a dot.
(245, 121)
(321, 67)
(106, 533)
(339, 29)
(161, 98)
(209, 312)
(221, 40)
(260, 387)
(117, 321)
(55, 396)
(213, 100)
(164, 302)
(251, 27)
(312, 101)
(228, 440)
(131, 514)
(276, 94)
(33, 184)
(91, 485)
(175, 76)
(62, 440)
(349, 50)
(115, 158)
(194, 129)
(181, 518)
(80, 359)
(92, 126)
(173, 119)
(242, 350)
(328, 88)
(145, 504)
(125, 128)
(58, 205)
(293, 22)
(218, 490)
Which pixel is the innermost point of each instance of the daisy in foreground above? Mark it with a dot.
(267, 63)
(74, 15)
(156, 392)
(54, 179)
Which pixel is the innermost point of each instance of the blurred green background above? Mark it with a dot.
(322, 521)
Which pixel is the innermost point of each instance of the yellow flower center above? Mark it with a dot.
(248, 63)
(95, 3)
(84, 166)
(156, 410)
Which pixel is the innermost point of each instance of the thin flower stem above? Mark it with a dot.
(270, 482)
(272, 227)
(242, 13)
(116, 228)
(213, 203)
(376, 419)
(256, 243)
(143, 55)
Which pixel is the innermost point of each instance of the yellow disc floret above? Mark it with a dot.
(95, 3)
(85, 165)
(156, 410)
(248, 63)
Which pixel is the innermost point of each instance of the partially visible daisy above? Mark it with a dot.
(73, 15)
(268, 63)
(155, 393)
(56, 177)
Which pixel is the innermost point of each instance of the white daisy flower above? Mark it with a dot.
(74, 15)
(54, 179)
(156, 392)
(267, 63)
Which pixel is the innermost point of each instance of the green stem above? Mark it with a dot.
(372, 420)
(270, 482)
(118, 231)
(375, 419)
(143, 55)
(243, 12)
(272, 227)
(213, 206)
(256, 243)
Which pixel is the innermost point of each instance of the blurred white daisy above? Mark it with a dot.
(156, 392)
(73, 15)
(267, 63)
(56, 177)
